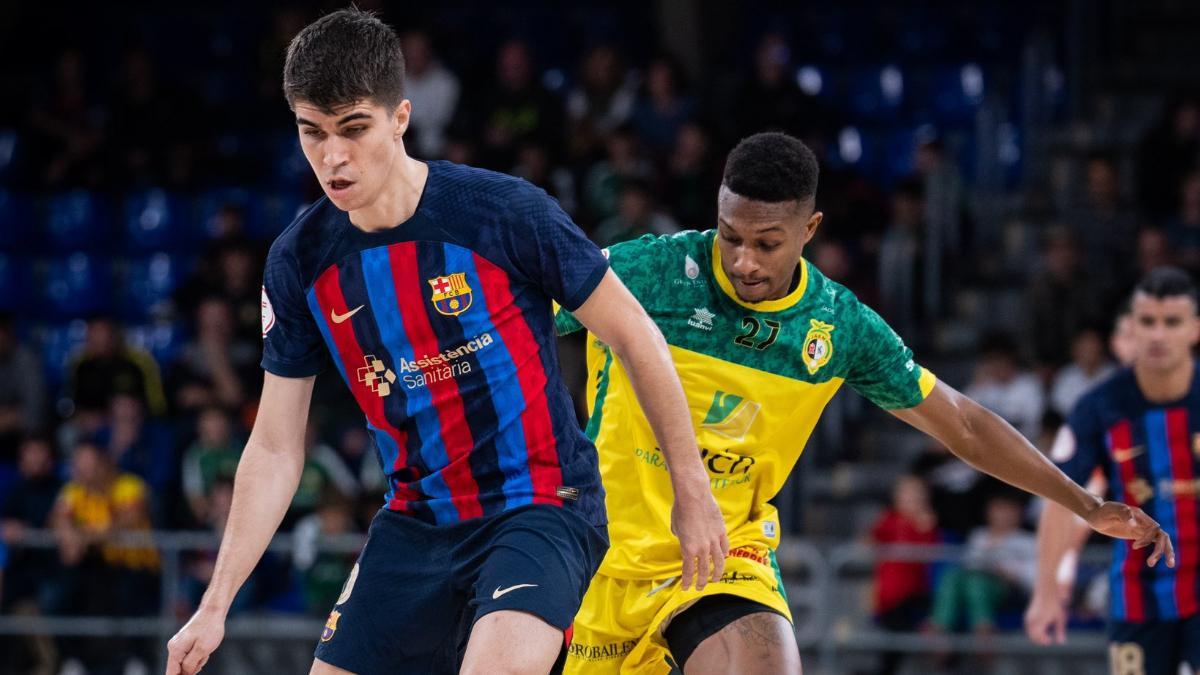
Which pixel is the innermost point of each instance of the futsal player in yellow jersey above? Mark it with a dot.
(761, 341)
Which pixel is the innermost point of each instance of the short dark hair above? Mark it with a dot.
(772, 167)
(1167, 282)
(344, 57)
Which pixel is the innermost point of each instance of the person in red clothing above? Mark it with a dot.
(901, 586)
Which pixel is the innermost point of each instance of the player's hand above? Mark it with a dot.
(697, 521)
(189, 650)
(1129, 522)
(1046, 620)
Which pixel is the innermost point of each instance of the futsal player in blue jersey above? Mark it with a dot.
(430, 287)
(1140, 430)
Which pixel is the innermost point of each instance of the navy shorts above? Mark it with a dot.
(1154, 647)
(417, 589)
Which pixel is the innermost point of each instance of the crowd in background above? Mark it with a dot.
(121, 438)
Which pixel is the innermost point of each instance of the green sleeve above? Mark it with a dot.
(637, 263)
(882, 368)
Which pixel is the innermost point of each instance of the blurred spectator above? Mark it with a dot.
(218, 366)
(1183, 229)
(144, 125)
(534, 165)
(1101, 220)
(901, 255)
(604, 180)
(22, 391)
(1004, 387)
(692, 179)
(1166, 154)
(1122, 342)
(1089, 366)
(323, 573)
(230, 269)
(323, 470)
(103, 577)
(902, 587)
(601, 102)
(663, 108)
(143, 447)
(957, 491)
(771, 100)
(212, 457)
(433, 91)
(998, 570)
(198, 567)
(944, 203)
(1153, 250)
(637, 214)
(30, 572)
(1064, 297)
(67, 124)
(514, 110)
(108, 367)
(357, 452)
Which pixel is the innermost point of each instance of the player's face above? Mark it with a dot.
(761, 242)
(353, 149)
(1165, 330)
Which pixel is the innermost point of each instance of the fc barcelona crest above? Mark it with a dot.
(451, 295)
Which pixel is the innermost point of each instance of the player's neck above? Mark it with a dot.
(1165, 386)
(398, 201)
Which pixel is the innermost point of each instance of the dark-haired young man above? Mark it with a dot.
(1140, 428)
(761, 341)
(431, 284)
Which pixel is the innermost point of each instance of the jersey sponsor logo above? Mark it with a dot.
(818, 345)
(348, 588)
(726, 468)
(441, 366)
(702, 318)
(600, 652)
(1140, 490)
(730, 415)
(754, 553)
(451, 294)
(501, 592)
(268, 313)
(736, 577)
(1179, 488)
(330, 626)
(690, 269)
(377, 376)
(339, 318)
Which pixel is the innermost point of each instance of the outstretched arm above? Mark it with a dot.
(614, 316)
(985, 441)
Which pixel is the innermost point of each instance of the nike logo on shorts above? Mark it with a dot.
(501, 591)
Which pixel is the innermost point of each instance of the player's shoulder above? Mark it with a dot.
(320, 221)
(833, 298)
(684, 243)
(1107, 395)
(472, 188)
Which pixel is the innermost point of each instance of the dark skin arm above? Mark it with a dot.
(985, 441)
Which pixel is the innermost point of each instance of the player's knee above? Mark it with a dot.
(756, 644)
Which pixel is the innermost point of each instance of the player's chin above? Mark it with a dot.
(753, 292)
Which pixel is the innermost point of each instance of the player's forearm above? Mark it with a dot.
(1058, 537)
(263, 488)
(993, 446)
(652, 373)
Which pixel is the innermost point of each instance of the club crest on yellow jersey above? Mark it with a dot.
(818, 345)
(451, 294)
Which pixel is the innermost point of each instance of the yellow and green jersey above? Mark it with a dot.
(756, 376)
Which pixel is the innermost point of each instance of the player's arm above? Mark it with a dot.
(1060, 536)
(612, 314)
(267, 477)
(988, 443)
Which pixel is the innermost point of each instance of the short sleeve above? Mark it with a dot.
(882, 368)
(553, 252)
(1079, 446)
(129, 490)
(292, 344)
(637, 263)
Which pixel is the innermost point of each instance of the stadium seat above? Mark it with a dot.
(77, 221)
(163, 340)
(290, 167)
(58, 344)
(147, 284)
(155, 220)
(77, 286)
(16, 282)
(955, 93)
(209, 205)
(18, 221)
(278, 211)
(876, 94)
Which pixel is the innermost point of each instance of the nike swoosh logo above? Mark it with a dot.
(1126, 455)
(499, 591)
(338, 318)
(661, 586)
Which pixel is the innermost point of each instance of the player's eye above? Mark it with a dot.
(354, 130)
(769, 247)
(312, 133)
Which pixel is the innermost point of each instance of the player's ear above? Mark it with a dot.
(400, 118)
(810, 227)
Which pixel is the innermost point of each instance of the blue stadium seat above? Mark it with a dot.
(163, 340)
(155, 220)
(58, 344)
(18, 221)
(76, 286)
(147, 284)
(278, 211)
(16, 283)
(290, 167)
(208, 206)
(77, 221)
(955, 93)
(876, 94)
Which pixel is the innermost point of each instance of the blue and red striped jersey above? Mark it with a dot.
(1151, 455)
(442, 327)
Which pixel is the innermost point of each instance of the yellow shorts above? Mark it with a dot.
(619, 627)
